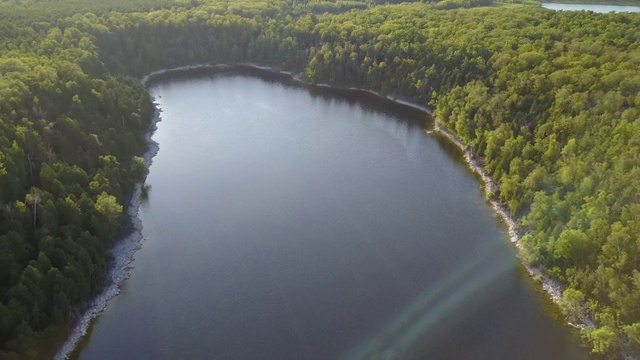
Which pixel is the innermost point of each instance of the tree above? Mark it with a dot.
(603, 339)
(572, 304)
(108, 206)
(33, 198)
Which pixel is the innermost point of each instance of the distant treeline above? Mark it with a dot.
(549, 101)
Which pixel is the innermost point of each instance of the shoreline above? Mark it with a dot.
(122, 254)
(125, 248)
(550, 286)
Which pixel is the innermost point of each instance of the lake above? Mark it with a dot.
(291, 222)
(592, 7)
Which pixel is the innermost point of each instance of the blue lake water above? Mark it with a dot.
(591, 7)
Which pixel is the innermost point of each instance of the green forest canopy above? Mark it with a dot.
(549, 101)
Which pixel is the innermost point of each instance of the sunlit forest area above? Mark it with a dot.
(548, 101)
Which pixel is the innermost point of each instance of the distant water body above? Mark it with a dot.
(591, 7)
(287, 222)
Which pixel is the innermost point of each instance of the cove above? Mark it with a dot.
(289, 222)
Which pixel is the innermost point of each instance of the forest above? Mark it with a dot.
(549, 102)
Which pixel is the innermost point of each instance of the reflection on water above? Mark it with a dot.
(410, 330)
(288, 223)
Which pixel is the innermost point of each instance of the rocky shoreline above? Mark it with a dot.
(121, 253)
(552, 287)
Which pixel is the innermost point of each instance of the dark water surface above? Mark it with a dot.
(287, 223)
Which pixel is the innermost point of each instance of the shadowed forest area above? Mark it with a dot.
(548, 101)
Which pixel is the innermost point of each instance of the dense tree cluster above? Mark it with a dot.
(557, 124)
(70, 136)
(548, 101)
